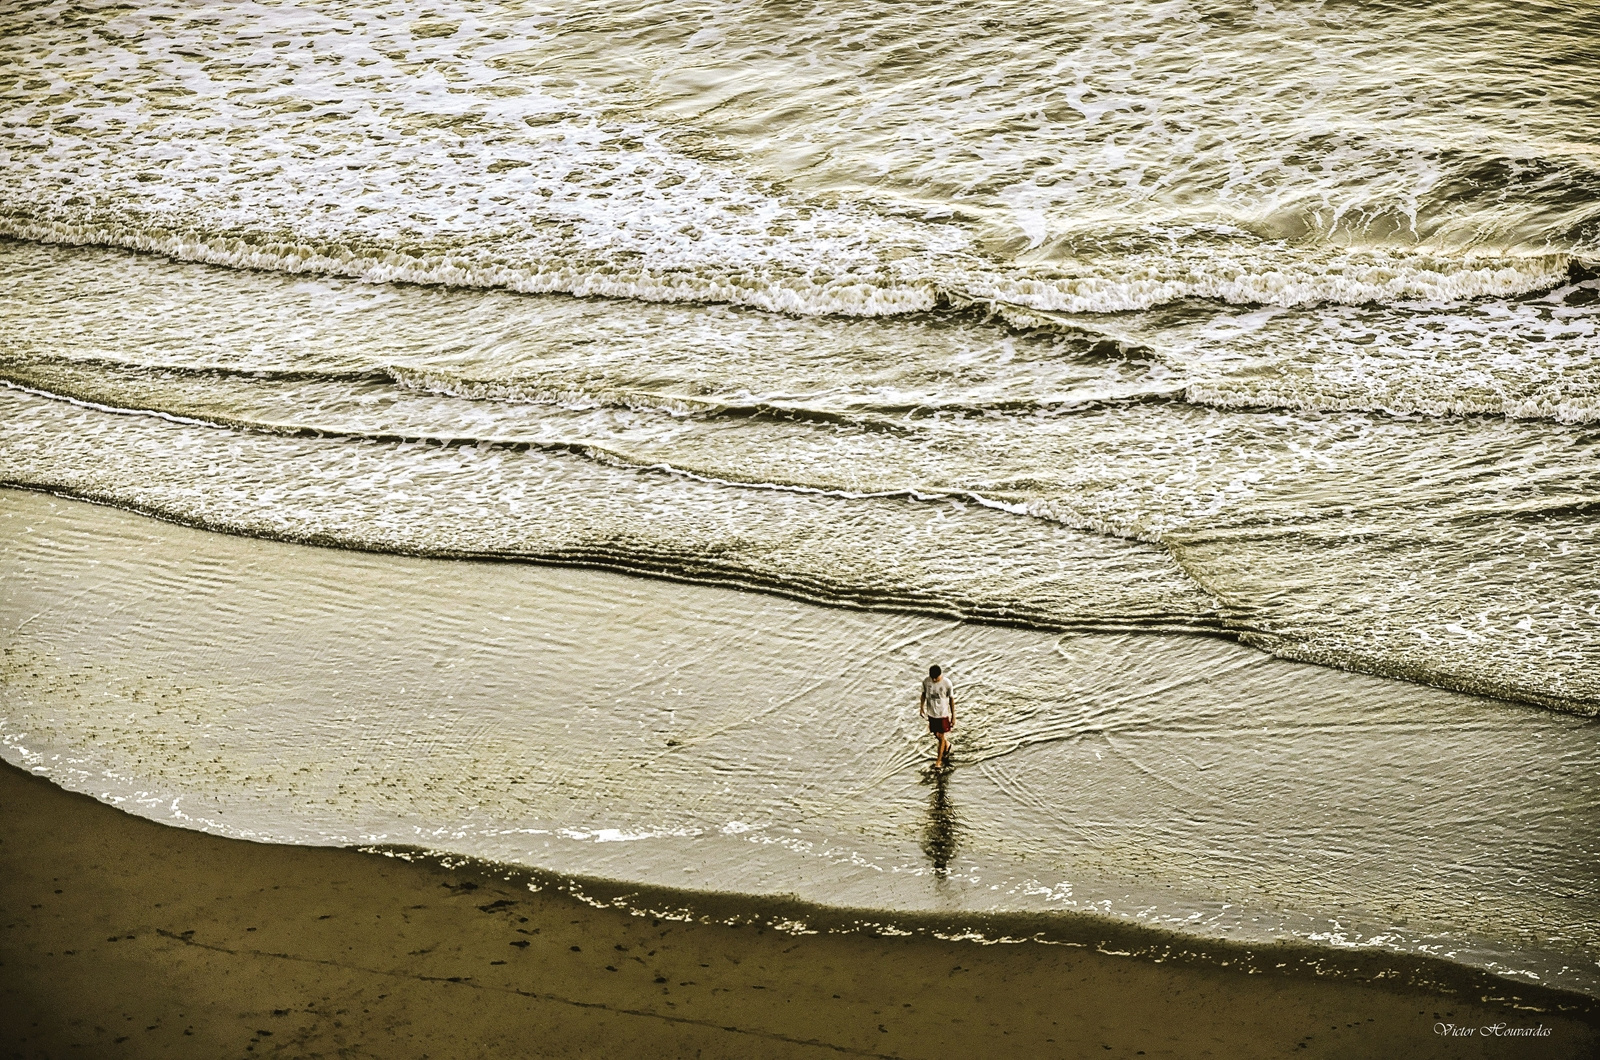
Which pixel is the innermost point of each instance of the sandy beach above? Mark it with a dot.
(125, 938)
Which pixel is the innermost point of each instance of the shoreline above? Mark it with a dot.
(139, 939)
(1292, 959)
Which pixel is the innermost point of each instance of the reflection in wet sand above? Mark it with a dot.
(941, 833)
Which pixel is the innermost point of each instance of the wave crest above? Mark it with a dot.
(897, 287)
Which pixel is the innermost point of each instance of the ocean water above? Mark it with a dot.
(1221, 380)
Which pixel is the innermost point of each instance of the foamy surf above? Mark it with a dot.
(399, 154)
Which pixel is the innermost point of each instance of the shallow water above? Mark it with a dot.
(586, 722)
(1045, 336)
(894, 463)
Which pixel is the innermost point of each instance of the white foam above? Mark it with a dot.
(1528, 358)
(1272, 275)
(371, 148)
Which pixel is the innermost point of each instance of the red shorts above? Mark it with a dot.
(940, 724)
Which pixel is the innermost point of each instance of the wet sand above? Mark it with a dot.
(123, 937)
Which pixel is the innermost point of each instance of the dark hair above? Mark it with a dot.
(934, 671)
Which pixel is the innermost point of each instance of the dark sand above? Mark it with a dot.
(123, 937)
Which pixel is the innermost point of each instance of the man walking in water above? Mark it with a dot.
(938, 705)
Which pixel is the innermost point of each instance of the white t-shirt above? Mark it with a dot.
(936, 696)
